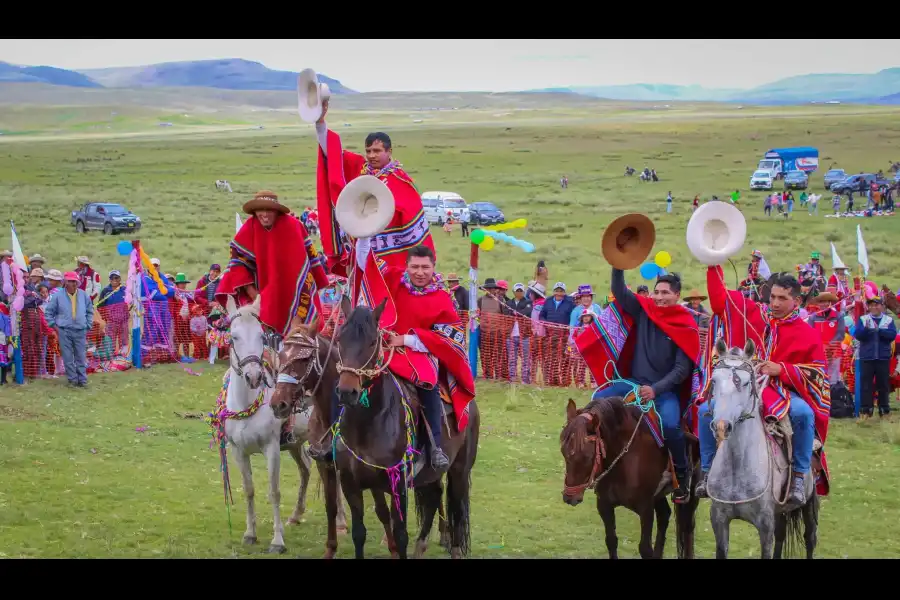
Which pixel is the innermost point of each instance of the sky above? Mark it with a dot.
(481, 65)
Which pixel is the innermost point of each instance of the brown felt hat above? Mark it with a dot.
(628, 240)
(824, 298)
(265, 200)
(694, 294)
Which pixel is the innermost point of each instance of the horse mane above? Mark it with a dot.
(611, 413)
(360, 325)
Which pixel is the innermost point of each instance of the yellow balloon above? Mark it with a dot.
(487, 244)
(663, 259)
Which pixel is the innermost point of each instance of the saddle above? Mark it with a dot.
(421, 424)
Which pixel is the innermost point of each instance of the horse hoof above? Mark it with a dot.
(329, 554)
(276, 549)
(342, 531)
(395, 555)
(421, 548)
(293, 521)
(455, 553)
(249, 540)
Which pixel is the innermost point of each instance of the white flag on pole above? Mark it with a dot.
(836, 262)
(861, 255)
(237, 222)
(18, 255)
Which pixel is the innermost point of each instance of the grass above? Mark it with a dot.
(80, 481)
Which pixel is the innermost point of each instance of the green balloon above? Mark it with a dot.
(477, 236)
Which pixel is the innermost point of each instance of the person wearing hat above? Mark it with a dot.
(89, 278)
(459, 293)
(827, 318)
(72, 315)
(205, 292)
(115, 312)
(755, 276)
(839, 282)
(662, 347)
(37, 262)
(54, 281)
(815, 267)
(273, 251)
(791, 354)
(336, 168)
(38, 277)
(876, 333)
(519, 340)
(585, 299)
(181, 306)
(492, 342)
(693, 301)
(557, 311)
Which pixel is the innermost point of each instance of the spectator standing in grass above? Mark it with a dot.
(519, 340)
(113, 295)
(803, 198)
(735, 196)
(72, 315)
(585, 301)
(876, 332)
(836, 203)
(459, 293)
(696, 203)
(464, 223)
(669, 202)
(557, 312)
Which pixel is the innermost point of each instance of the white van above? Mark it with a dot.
(438, 203)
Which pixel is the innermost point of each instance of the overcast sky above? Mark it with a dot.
(485, 65)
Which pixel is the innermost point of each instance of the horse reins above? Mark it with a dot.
(254, 359)
(599, 455)
(365, 372)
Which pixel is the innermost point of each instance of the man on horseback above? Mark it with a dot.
(794, 362)
(272, 255)
(661, 350)
(428, 346)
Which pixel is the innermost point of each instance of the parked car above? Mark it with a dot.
(858, 183)
(106, 217)
(485, 213)
(761, 180)
(834, 176)
(433, 211)
(449, 201)
(796, 180)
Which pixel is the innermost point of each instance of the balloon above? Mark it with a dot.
(649, 271)
(477, 236)
(663, 259)
(123, 248)
(527, 246)
(487, 244)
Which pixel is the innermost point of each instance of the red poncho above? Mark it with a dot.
(433, 319)
(283, 265)
(791, 343)
(607, 339)
(408, 228)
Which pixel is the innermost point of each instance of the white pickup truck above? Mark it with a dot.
(762, 180)
(436, 205)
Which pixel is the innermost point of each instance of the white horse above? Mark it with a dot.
(750, 471)
(258, 430)
(222, 184)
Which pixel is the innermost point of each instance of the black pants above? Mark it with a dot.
(464, 227)
(879, 371)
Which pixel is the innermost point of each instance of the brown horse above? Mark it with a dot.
(605, 448)
(890, 300)
(307, 365)
(377, 429)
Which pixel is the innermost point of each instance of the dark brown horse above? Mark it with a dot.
(307, 366)
(376, 441)
(605, 447)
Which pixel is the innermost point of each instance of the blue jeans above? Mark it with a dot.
(803, 423)
(514, 345)
(669, 410)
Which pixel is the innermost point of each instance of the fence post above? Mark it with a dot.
(857, 388)
(137, 307)
(474, 329)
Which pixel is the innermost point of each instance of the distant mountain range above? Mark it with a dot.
(228, 74)
(238, 74)
(877, 88)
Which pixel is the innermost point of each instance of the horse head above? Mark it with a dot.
(734, 391)
(359, 351)
(578, 444)
(890, 299)
(248, 342)
(300, 367)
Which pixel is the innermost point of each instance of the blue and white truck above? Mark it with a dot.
(779, 161)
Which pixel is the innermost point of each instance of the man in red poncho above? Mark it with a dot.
(272, 255)
(794, 361)
(655, 345)
(338, 167)
(430, 343)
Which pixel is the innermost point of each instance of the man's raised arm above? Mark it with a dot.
(623, 295)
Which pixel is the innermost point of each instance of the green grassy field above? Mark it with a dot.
(80, 481)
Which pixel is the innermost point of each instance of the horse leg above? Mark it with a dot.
(384, 515)
(427, 500)
(765, 525)
(458, 486)
(273, 460)
(811, 524)
(608, 514)
(442, 519)
(243, 462)
(332, 501)
(780, 534)
(341, 513)
(398, 521)
(721, 523)
(663, 514)
(304, 462)
(358, 528)
(644, 547)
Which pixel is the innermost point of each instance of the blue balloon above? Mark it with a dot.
(649, 271)
(527, 246)
(124, 247)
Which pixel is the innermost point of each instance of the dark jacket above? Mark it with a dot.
(658, 361)
(559, 315)
(875, 341)
(461, 295)
(523, 306)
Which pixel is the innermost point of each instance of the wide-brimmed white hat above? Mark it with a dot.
(365, 207)
(311, 94)
(37, 258)
(83, 260)
(54, 275)
(716, 232)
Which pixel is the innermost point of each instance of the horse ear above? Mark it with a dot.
(345, 306)
(257, 303)
(749, 349)
(378, 310)
(721, 348)
(571, 410)
(230, 305)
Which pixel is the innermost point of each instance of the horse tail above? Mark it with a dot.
(458, 512)
(685, 523)
(794, 539)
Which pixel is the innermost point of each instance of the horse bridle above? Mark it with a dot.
(309, 347)
(365, 372)
(269, 341)
(747, 367)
